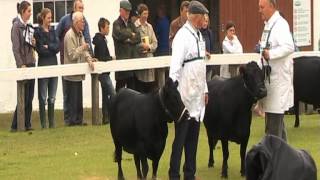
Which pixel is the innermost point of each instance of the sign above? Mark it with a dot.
(302, 22)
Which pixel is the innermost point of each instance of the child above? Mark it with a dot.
(101, 52)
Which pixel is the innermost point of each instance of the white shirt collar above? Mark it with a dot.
(21, 20)
(273, 18)
(191, 27)
(138, 23)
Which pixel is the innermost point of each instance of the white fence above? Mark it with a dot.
(15, 74)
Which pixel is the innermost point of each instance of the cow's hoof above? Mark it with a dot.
(243, 173)
(121, 178)
(224, 175)
(210, 164)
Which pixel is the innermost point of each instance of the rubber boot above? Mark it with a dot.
(51, 115)
(42, 113)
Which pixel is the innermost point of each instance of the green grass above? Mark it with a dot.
(50, 154)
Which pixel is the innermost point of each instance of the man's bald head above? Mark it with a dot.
(267, 8)
(78, 6)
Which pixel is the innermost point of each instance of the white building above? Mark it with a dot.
(94, 9)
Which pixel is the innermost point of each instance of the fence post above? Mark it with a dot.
(95, 99)
(20, 106)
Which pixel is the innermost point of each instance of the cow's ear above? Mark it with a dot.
(242, 69)
(176, 83)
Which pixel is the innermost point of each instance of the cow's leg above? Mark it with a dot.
(296, 112)
(243, 149)
(155, 164)
(225, 150)
(118, 158)
(212, 144)
(145, 167)
(138, 168)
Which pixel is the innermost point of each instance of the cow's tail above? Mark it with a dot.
(112, 107)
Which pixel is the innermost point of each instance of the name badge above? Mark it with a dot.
(202, 46)
(264, 37)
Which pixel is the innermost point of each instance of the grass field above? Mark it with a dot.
(87, 152)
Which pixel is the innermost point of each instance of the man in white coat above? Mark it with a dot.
(189, 69)
(276, 47)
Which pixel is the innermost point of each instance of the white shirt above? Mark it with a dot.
(229, 47)
(280, 89)
(191, 75)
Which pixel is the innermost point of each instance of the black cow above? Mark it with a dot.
(138, 124)
(228, 113)
(306, 83)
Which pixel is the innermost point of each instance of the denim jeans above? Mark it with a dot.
(107, 92)
(47, 87)
(29, 93)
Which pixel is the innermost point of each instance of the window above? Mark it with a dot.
(59, 8)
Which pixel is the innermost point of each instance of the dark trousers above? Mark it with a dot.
(28, 97)
(74, 102)
(127, 82)
(65, 102)
(275, 125)
(186, 137)
(107, 92)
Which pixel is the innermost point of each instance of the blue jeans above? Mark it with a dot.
(47, 87)
(107, 92)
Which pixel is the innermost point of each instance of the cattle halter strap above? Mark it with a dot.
(167, 110)
(249, 90)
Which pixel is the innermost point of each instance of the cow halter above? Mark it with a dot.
(249, 90)
(184, 111)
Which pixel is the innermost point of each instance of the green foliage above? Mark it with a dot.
(87, 152)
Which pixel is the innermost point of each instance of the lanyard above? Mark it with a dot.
(196, 40)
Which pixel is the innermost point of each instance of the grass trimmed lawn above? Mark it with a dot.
(86, 153)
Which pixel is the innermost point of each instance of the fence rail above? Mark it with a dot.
(20, 74)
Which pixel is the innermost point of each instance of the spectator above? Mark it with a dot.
(276, 46)
(208, 38)
(101, 52)
(162, 34)
(179, 21)
(47, 48)
(76, 50)
(162, 27)
(148, 45)
(22, 46)
(126, 38)
(62, 28)
(230, 45)
(188, 68)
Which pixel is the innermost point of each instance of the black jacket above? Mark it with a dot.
(126, 45)
(47, 56)
(274, 159)
(208, 37)
(101, 51)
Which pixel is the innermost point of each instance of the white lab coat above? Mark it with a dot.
(192, 75)
(280, 90)
(229, 47)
